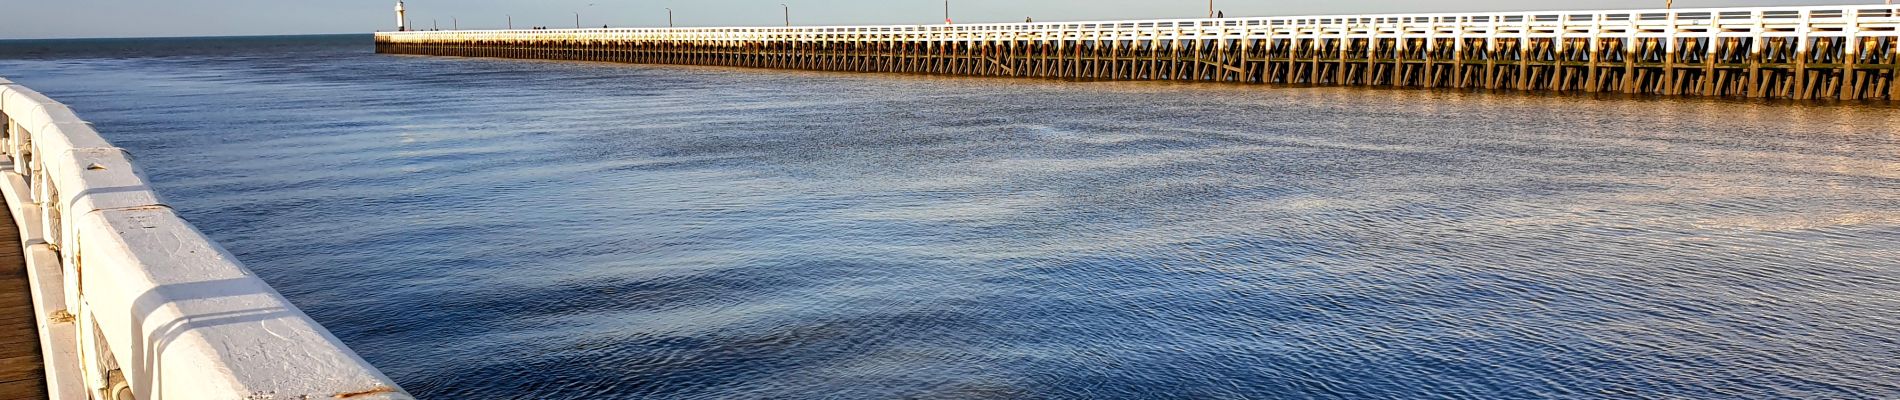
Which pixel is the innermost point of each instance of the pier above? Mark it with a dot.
(109, 294)
(1829, 52)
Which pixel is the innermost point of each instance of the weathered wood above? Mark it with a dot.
(22, 390)
(22, 373)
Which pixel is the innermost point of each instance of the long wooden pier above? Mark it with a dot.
(1836, 52)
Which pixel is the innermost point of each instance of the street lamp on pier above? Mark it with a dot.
(669, 17)
(788, 14)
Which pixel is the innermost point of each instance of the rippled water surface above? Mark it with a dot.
(523, 229)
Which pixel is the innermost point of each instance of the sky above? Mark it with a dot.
(36, 19)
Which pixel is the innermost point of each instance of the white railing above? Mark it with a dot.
(1818, 21)
(134, 302)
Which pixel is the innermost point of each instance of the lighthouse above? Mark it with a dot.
(402, 20)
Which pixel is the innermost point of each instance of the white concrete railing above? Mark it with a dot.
(133, 301)
(1817, 21)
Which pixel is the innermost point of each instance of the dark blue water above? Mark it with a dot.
(521, 229)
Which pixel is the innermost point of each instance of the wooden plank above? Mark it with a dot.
(11, 298)
(22, 373)
(19, 351)
(21, 319)
(22, 389)
(19, 367)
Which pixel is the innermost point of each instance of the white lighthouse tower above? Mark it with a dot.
(402, 19)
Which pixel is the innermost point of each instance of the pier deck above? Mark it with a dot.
(21, 376)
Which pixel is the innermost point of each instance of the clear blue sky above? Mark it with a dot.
(130, 18)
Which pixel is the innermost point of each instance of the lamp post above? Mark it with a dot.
(455, 24)
(788, 14)
(1210, 8)
(669, 17)
(946, 12)
(577, 20)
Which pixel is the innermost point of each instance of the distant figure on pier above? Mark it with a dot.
(1029, 20)
(1221, 14)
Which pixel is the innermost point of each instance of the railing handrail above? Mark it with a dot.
(133, 299)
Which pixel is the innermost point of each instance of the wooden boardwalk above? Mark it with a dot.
(21, 373)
